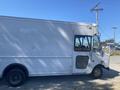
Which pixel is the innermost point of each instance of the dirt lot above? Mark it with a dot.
(109, 81)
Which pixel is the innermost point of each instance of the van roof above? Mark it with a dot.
(47, 20)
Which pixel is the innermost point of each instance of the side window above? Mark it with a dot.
(82, 43)
(96, 43)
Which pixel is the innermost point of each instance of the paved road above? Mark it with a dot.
(115, 60)
(109, 81)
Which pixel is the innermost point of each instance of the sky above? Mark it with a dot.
(68, 10)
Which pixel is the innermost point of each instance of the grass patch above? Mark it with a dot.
(114, 53)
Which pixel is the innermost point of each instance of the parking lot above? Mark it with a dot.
(109, 81)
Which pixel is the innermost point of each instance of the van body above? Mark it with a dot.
(49, 47)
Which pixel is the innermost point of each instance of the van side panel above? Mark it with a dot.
(43, 47)
(40, 66)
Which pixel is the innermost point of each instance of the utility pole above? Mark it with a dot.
(96, 9)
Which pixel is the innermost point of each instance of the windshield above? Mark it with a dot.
(82, 43)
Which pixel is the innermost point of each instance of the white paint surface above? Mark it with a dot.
(45, 47)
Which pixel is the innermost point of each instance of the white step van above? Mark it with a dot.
(37, 47)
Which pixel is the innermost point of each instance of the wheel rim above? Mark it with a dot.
(15, 78)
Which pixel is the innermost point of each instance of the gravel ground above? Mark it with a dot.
(109, 81)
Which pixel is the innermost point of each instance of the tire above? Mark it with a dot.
(15, 77)
(97, 72)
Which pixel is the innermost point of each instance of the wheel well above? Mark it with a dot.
(99, 65)
(15, 65)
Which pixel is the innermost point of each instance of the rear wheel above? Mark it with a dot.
(15, 77)
(97, 72)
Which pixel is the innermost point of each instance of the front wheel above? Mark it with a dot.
(15, 77)
(97, 72)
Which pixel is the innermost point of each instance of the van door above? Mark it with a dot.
(98, 56)
(81, 53)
